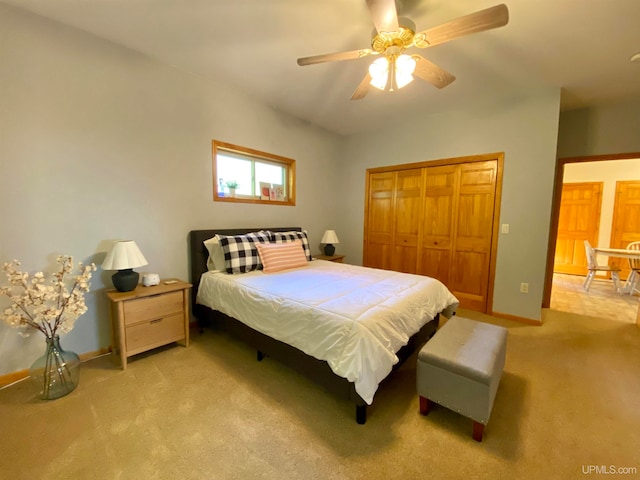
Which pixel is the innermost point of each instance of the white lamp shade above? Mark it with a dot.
(330, 237)
(124, 254)
(401, 68)
(379, 71)
(405, 65)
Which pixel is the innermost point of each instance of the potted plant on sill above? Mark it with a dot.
(232, 185)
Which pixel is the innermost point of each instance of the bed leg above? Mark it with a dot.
(361, 414)
(260, 356)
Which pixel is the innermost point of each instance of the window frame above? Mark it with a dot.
(255, 155)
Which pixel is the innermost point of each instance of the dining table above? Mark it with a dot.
(628, 287)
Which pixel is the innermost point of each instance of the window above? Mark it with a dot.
(249, 176)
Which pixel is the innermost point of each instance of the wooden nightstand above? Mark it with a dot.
(330, 258)
(149, 317)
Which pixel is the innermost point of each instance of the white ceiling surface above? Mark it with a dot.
(582, 46)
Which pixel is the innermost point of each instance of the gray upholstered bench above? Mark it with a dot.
(460, 368)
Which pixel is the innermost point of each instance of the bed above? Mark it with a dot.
(337, 324)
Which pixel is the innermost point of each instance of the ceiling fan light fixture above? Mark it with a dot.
(405, 65)
(379, 71)
(392, 73)
(393, 35)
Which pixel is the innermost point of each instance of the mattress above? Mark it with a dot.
(354, 318)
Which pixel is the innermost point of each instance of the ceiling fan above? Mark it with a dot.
(393, 35)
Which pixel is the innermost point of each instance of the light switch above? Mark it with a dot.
(505, 228)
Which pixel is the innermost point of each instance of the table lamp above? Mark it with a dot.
(124, 256)
(329, 238)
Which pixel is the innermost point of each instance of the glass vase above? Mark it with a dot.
(56, 373)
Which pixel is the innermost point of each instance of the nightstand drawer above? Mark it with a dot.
(156, 332)
(151, 308)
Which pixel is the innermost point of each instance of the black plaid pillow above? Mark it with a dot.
(240, 251)
(284, 237)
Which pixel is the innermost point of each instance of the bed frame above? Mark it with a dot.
(314, 369)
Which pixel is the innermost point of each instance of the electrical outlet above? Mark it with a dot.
(505, 228)
(524, 288)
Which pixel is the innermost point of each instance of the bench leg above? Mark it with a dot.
(478, 429)
(424, 405)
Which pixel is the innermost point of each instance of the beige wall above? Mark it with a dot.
(602, 130)
(100, 143)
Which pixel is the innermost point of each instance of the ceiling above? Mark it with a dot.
(580, 46)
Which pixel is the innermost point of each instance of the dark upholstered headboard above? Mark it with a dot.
(198, 253)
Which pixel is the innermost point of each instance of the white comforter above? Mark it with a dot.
(352, 317)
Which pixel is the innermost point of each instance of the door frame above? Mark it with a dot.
(555, 211)
(499, 157)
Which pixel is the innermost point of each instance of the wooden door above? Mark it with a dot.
(471, 249)
(440, 206)
(579, 220)
(407, 211)
(458, 229)
(625, 226)
(379, 220)
(437, 219)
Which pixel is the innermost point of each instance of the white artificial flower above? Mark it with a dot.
(51, 309)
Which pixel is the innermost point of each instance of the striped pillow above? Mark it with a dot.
(281, 256)
(284, 237)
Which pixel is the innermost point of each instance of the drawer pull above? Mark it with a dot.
(158, 320)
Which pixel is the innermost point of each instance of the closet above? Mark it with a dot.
(438, 219)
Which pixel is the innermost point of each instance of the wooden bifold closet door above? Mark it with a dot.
(395, 208)
(436, 221)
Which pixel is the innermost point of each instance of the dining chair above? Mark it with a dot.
(593, 267)
(634, 266)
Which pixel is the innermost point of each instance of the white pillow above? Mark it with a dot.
(215, 262)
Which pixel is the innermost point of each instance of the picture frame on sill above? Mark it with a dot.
(279, 193)
(265, 191)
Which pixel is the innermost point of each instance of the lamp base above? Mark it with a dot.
(329, 249)
(125, 280)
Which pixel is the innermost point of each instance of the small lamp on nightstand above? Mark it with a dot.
(124, 256)
(329, 238)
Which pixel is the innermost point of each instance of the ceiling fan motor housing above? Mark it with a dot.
(401, 38)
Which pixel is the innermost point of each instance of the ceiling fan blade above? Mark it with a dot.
(432, 73)
(363, 88)
(487, 19)
(336, 57)
(384, 15)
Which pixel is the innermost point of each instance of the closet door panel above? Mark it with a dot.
(435, 263)
(408, 211)
(380, 220)
(474, 228)
(467, 268)
(379, 256)
(440, 204)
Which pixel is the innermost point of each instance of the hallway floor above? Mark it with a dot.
(567, 295)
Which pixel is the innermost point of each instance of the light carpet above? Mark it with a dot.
(567, 407)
